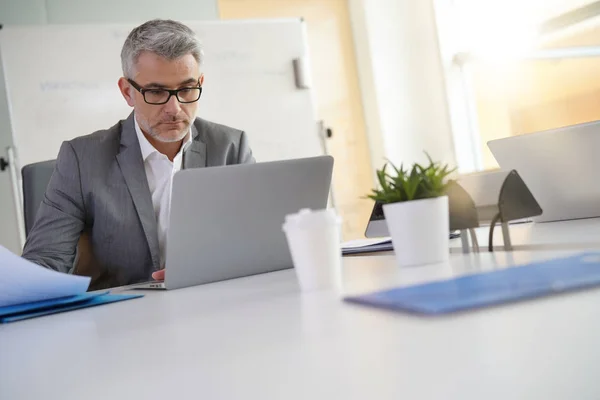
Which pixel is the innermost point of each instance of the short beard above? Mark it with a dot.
(156, 135)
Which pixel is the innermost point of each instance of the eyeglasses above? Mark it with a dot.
(162, 96)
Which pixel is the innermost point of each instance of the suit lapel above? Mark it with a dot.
(132, 167)
(195, 155)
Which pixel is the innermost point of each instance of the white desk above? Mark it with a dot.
(259, 338)
(564, 235)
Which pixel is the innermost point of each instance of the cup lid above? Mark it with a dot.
(307, 218)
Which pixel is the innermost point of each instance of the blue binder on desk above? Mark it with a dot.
(20, 312)
(490, 288)
(28, 290)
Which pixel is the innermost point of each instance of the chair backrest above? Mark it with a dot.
(36, 177)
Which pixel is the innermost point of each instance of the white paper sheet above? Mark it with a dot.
(355, 244)
(22, 281)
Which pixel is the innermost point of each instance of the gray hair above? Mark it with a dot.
(167, 38)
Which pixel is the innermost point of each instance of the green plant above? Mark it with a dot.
(418, 183)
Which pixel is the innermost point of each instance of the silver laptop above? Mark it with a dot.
(226, 222)
(560, 168)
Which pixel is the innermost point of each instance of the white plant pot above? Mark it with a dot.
(420, 230)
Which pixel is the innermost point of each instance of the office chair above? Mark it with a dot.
(36, 177)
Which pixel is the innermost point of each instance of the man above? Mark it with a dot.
(111, 190)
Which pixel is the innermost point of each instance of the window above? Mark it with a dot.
(519, 76)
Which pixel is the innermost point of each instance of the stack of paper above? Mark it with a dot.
(367, 245)
(28, 290)
(360, 246)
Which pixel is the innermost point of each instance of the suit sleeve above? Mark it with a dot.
(245, 153)
(52, 241)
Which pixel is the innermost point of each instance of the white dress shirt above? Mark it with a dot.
(159, 172)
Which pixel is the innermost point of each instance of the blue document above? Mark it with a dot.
(490, 288)
(37, 309)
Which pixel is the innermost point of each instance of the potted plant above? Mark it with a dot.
(416, 211)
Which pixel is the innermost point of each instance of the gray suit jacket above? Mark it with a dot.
(98, 196)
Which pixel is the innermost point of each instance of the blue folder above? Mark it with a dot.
(37, 309)
(490, 288)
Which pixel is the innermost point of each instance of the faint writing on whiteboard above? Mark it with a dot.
(68, 85)
(120, 33)
(228, 55)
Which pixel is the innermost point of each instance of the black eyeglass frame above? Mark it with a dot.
(172, 92)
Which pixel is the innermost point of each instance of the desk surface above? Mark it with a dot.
(564, 235)
(260, 338)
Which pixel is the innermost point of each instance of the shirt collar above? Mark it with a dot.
(147, 148)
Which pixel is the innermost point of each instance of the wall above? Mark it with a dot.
(18, 12)
(85, 11)
(402, 81)
(336, 93)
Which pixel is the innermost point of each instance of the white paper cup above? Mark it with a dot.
(314, 241)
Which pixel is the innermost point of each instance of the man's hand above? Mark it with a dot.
(159, 275)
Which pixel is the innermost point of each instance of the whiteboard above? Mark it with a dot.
(62, 82)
